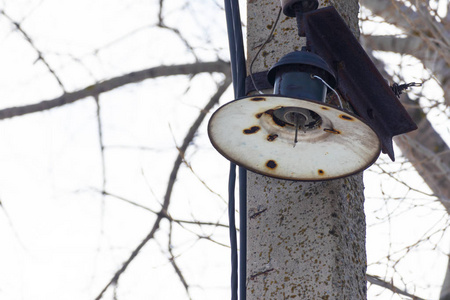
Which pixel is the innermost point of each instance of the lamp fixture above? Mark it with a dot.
(294, 134)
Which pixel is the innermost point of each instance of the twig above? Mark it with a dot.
(252, 277)
(162, 25)
(174, 264)
(180, 36)
(378, 281)
(160, 18)
(11, 224)
(200, 223)
(30, 41)
(404, 183)
(102, 156)
(208, 238)
(128, 201)
(168, 217)
(187, 164)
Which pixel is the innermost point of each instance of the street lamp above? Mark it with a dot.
(294, 133)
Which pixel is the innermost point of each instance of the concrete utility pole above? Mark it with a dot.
(305, 240)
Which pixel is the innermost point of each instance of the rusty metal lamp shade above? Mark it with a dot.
(294, 136)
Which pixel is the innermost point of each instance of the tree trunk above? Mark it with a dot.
(306, 240)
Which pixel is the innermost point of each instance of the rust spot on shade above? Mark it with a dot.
(269, 112)
(271, 164)
(251, 130)
(258, 99)
(332, 130)
(258, 115)
(272, 137)
(324, 108)
(345, 117)
(276, 120)
(321, 172)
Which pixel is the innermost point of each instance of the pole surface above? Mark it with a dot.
(306, 240)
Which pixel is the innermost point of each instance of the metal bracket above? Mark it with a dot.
(359, 81)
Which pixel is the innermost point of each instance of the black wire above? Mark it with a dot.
(232, 176)
(230, 30)
(240, 92)
(236, 48)
(238, 73)
(243, 233)
(232, 226)
(262, 47)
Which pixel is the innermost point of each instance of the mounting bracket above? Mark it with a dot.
(359, 81)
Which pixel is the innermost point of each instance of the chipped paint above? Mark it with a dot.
(332, 130)
(257, 99)
(251, 130)
(271, 164)
(272, 137)
(346, 117)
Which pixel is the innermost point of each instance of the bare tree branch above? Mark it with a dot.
(168, 217)
(128, 201)
(173, 175)
(39, 53)
(187, 164)
(413, 21)
(177, 32)
(13, 228)
(102, 155)
(428, 163)
(429, 154)
(434, 49)
(403, 45)
(387, 285)
(175, 265)
(414, 46)
(116, 82)
(387, 11)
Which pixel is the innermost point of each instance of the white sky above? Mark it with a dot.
(60, 239)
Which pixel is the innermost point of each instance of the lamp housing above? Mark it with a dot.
(293, 76)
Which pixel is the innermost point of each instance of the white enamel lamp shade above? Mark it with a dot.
(246, 132)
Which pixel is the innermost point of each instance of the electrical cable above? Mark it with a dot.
(243, 233)
(260, 49)
(235, 40)
(238, 73)
(230, 30)
(334, 91)
(232, 231)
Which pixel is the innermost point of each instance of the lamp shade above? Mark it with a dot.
(258, 133)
